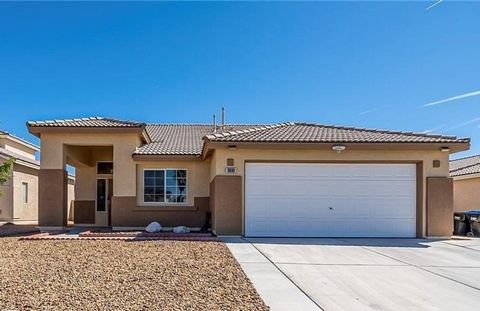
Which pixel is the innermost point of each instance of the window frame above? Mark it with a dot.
(165, 203)
(103, 174)
(25, 195)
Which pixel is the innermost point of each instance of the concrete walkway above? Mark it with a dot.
(362, 274)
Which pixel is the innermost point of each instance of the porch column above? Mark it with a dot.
(439, 206)
(226, 204)
(52, 198)
(52, 185)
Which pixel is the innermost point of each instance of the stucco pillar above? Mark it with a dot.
(52, 185)
(124, 181)
(439, 206)
(226, 205)
(52, 198)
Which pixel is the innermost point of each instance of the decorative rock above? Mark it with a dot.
(181, 229)
(114, 275)
(153, 227)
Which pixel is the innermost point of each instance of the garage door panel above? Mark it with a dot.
(352, 228)
(370, 200)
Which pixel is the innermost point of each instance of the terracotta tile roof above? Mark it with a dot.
(316, 133)
(86, 122)
(465, 166)
(181, 139)
(188, 139)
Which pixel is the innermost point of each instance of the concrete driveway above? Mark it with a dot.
(362, 274)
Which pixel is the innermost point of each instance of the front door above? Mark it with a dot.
(103, 202)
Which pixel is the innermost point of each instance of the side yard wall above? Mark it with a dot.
(466, 194)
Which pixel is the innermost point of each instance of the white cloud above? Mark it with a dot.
(444, 127)
(475, 120)
(369, 111)
(476, 93)
(433, 5)
(434, 129)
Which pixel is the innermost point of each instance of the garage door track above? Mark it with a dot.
(362, 274)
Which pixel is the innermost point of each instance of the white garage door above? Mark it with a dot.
(330, 200)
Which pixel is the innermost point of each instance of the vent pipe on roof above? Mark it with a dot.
(214, 124)
(223, 117)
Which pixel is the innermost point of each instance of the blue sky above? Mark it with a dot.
(373, 64)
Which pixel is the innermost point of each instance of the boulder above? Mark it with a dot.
(181, 229)
(153, 227)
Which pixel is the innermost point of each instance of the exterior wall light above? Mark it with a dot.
(444, 149)
(232, 147)
(338, 148)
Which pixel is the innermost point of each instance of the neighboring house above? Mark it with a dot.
(466, 183)
(19, 202)
(279, 180)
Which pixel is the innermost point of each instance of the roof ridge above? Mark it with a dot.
(64, 120)
(254, 129)
(119, 120)
(94, 118)
(205, 124)
(384, 131)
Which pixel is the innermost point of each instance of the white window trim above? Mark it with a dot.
(165, 186)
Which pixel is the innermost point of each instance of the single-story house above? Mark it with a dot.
(466, 183)
(277, 180)
(19, 200)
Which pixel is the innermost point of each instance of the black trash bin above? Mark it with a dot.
(474, 221)
(461, 224)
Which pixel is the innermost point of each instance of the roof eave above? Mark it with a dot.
(466, 176)
(38, 130)
(22, 162)
(21, 141)
(454, 146)
(166, 157)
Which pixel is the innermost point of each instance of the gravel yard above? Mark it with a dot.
(118, 275)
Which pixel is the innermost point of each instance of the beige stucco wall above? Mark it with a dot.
(86, 175)
(128, 180)
(85, 183)
(6, 200)
(466, 194)
(198, 173)
(25, 211)
(86, 179)
(53, 155)
(242, 155)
